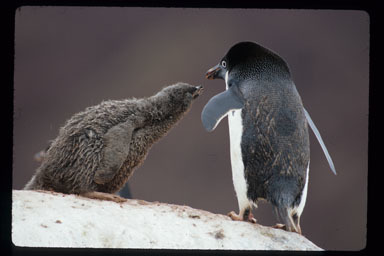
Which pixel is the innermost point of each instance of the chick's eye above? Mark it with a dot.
(224, 63)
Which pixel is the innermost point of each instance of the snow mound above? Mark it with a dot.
(50, 219)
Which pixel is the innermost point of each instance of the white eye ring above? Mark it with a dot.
(224, 64)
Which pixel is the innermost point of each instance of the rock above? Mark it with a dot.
(50, 219)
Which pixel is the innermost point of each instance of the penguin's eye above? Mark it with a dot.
(224, 63)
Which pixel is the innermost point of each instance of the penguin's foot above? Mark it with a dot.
(280, 226)
(284, 227)
(234, 216)
(104, 196)
(248, 216)
(237, 217)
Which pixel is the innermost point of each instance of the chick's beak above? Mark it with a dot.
(213, 72)
(198, 92)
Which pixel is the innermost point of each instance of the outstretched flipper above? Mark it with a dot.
(218, 107)
(116, 150)
(318, 136)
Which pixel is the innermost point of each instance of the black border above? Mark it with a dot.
(371, 7)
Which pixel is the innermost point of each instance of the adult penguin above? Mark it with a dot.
(268, 128)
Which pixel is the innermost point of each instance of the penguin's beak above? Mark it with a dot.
(215, 72)
(198, 92)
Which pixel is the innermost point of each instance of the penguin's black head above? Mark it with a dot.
(245, 65)
(249, 60)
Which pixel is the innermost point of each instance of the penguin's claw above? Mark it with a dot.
(279, 226)
(284, 227)
(234, 216)
(237, 217)
(251, 218)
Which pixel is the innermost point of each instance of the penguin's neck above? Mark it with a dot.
(161, 107)
(161, 115)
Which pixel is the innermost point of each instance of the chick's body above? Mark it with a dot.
(98, 149)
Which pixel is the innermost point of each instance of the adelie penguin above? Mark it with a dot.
(268, 128)
(97, 150)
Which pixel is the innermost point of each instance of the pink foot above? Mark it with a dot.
(237, 217)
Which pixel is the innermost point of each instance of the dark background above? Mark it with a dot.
(69, 58)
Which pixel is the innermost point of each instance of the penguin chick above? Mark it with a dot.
(268, 128)
(97, 150)
(125, 192)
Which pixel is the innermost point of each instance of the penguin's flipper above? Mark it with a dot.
(318, 136)
(115, 151)
(218, 107)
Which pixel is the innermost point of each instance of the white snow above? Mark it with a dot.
(49, 219)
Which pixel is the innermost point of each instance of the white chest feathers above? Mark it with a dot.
(235, 124)
(239, 182)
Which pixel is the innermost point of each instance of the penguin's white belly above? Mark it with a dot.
(300, 207)
(235, 132)
(235, 125)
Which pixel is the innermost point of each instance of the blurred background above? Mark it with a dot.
(69, 58)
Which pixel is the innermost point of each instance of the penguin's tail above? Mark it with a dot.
(31, 185)
(290, 219)
(34, 183)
